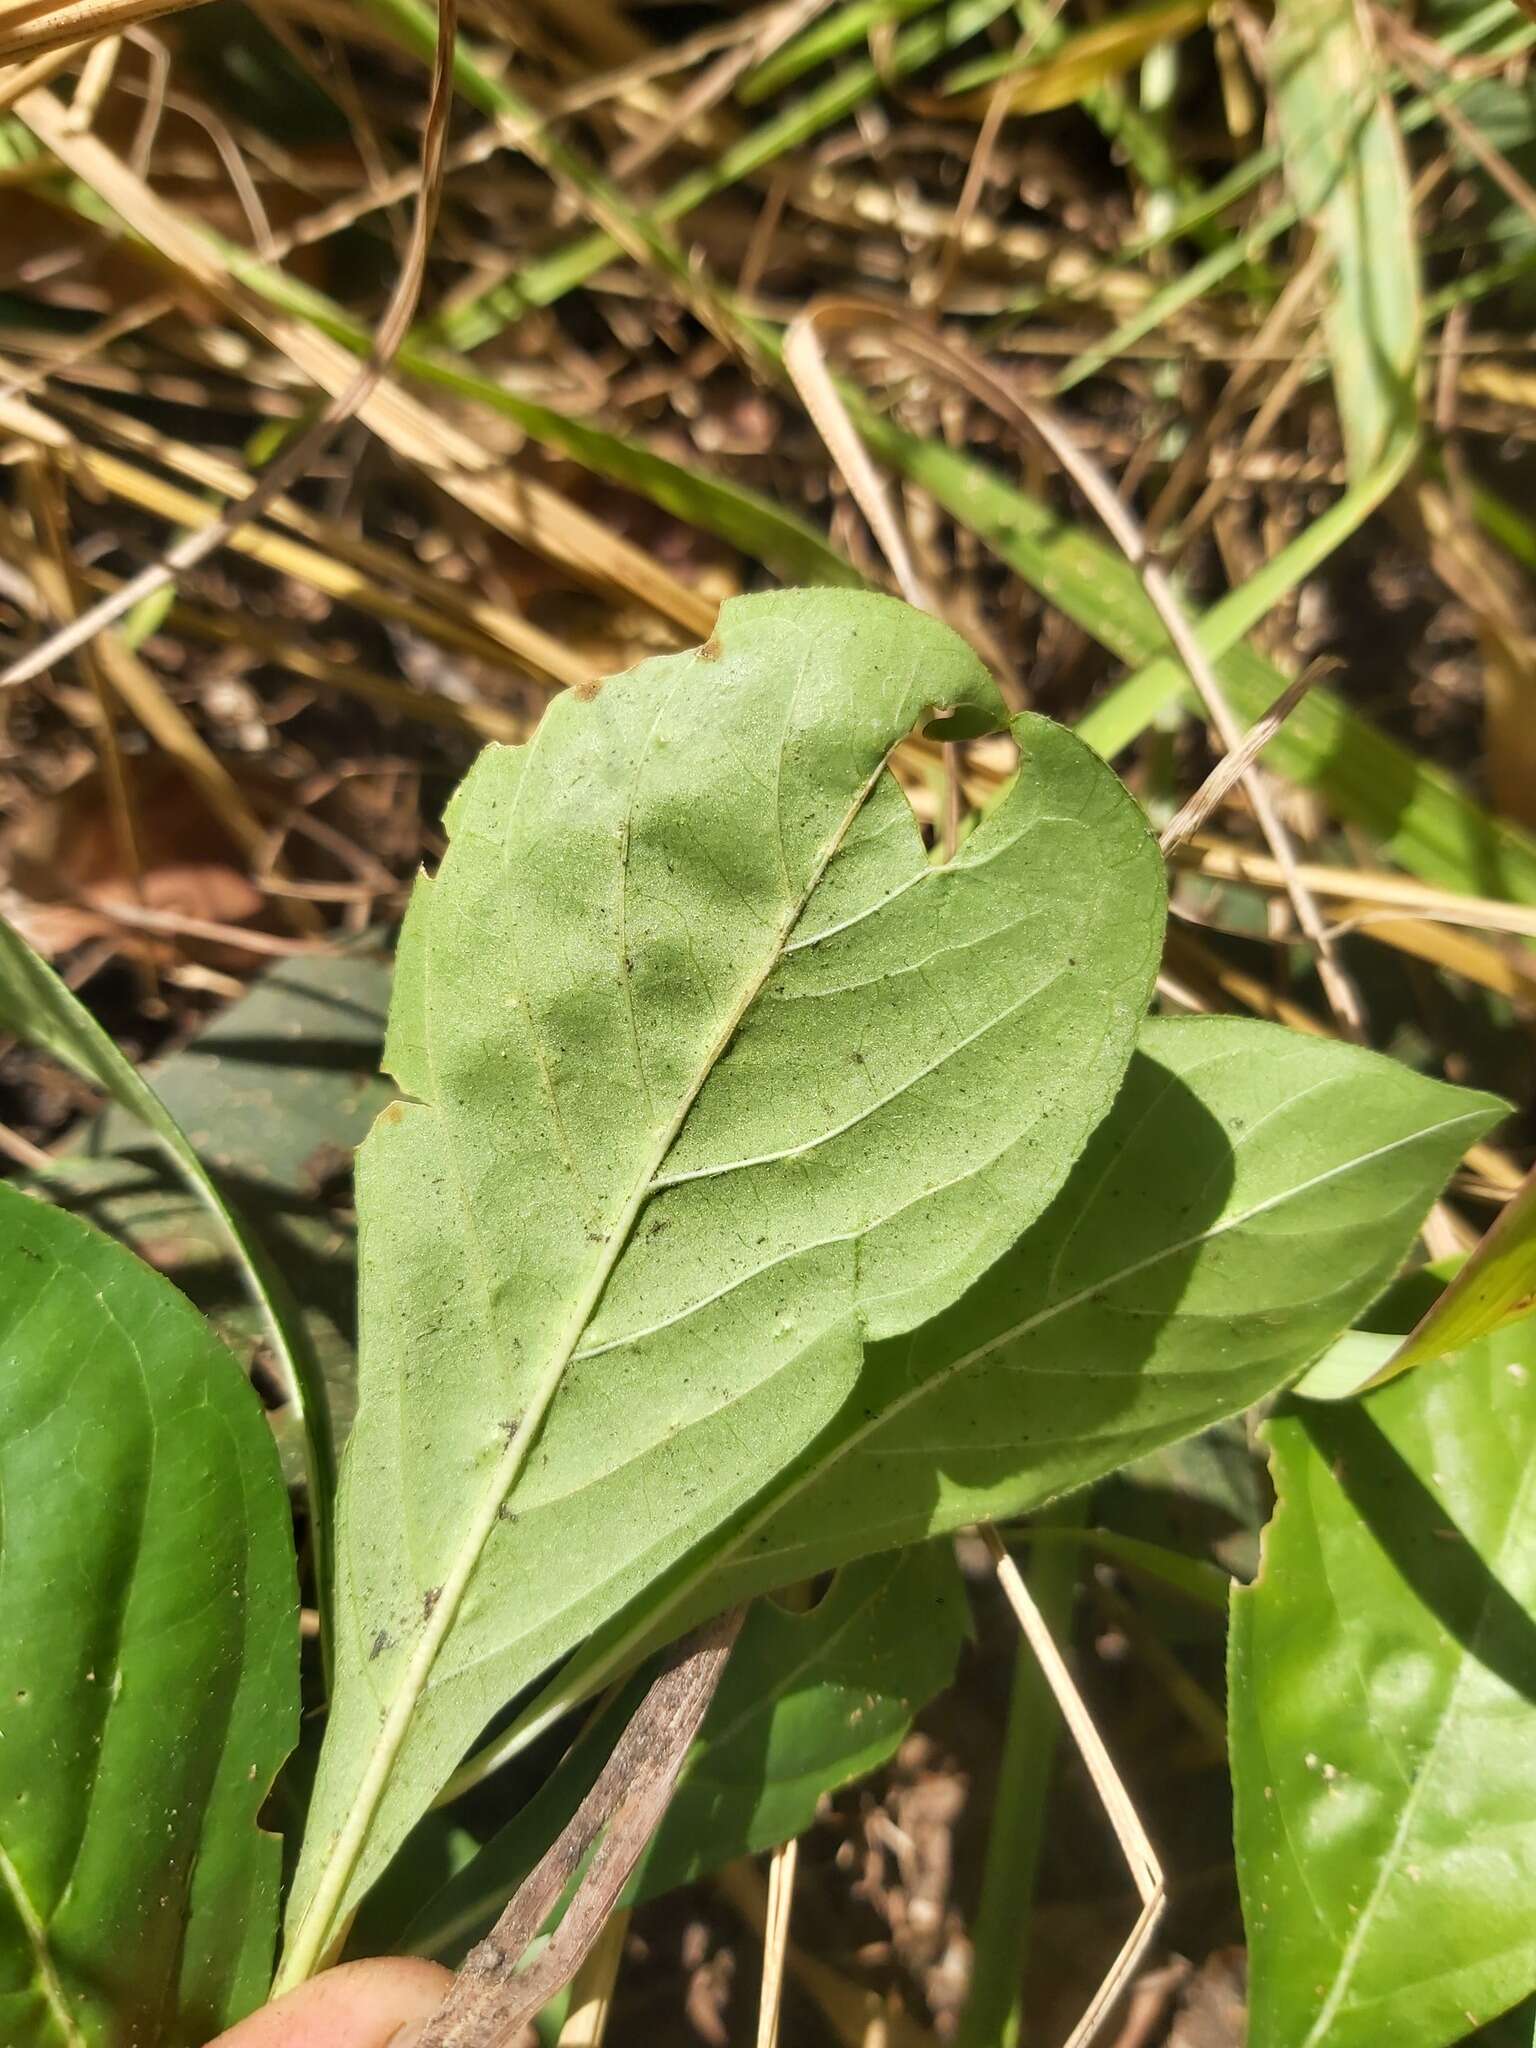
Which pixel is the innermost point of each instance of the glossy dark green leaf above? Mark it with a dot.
(148, 1653)
(37, 1005)
(1383, 1711)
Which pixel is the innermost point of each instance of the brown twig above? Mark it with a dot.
(491, 1999)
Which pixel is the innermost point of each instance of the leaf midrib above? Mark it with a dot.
(1097, 1288)
(36, 1930)
(312, 1936)
(544, 1709)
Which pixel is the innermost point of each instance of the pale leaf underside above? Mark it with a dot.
(713, 1076)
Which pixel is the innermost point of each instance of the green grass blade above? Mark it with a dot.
(551, 277)
(1419, 815)
(823, 40)
(1348, 174)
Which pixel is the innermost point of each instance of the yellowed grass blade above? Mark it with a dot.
(27, 27)
(352, 394)
(348, 568)
(1225, 862)
(1146, 1871)
(781, 1892)
(518, 506)
(856, 2015)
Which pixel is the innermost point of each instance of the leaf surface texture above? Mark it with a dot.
(149, 1644)
(711, 1076)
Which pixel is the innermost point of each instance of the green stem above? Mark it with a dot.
(993, 2012)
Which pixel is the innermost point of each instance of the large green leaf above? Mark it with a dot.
(1250, 1191)
(713, 1074)
(1384, 1711)
(149, 1641)
(808, 1703)
(42, 1010)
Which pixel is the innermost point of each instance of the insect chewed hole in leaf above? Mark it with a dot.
(968, 722)
(705, 855)
(724, 1090)
(806, 1596)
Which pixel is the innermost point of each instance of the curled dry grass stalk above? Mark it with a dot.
(382, 485)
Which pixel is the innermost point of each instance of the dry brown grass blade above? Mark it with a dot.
(932, 288)
(478, 720)
(1223, 861)
(805, 360)
(90, 346)
(1146, 1871)
(296, 460)
(482, 626)
(509, 131)
(1232, 768)
(1421, 59)
(781, 1893)
(15, 79)
(520, 507)
(1218, 985)
(984, 384)
(857, 2016)
(53, 572)
(23, 1153)
(472, 625)
(95, 77)
(711, 86)
(586, 2023)
(116, 673)
(492, 1999)
(1506, 629)
(1193, 462)
(175, 924)
(27, 28)
(1457, 951)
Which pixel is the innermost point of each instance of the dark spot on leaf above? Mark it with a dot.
(711, 650)
(588, 690)
(380, 1645)
(429, 1600)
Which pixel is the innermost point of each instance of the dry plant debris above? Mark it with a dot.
(345, 417)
